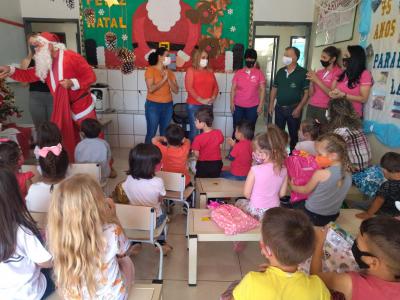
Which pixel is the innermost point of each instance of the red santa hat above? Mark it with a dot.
(50, 38)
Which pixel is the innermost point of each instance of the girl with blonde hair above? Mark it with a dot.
(89, 248)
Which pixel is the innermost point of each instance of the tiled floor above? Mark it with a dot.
(218, 264)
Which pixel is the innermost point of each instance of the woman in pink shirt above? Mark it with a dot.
(322, 81)
(248, 91)
(354, 84)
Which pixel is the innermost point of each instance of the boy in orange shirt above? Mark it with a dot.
(175, 150)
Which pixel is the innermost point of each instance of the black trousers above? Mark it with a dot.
(208, 169)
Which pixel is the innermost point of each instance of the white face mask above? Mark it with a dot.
(286, 60)
(167, 61)
(203, 62)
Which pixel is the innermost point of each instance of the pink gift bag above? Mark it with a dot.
(232, 219)
(300, 167)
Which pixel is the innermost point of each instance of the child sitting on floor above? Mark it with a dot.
(90, 250)
(376, 251)
(175, 150)
(53, 163)
(389, 191)
(287, 240)
(267, 179)
(308, 133)
(329, 186)
(241, 152)
(93, 149)
(142, 187)
(11, 157)
(207, 145)
(22, 254)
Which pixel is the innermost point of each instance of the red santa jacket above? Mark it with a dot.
(72, 66)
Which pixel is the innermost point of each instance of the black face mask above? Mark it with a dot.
(346, 61)
(250, 63)
(325, 63)
(357, 253)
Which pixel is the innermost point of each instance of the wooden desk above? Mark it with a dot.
(202, 229)
(217, 188)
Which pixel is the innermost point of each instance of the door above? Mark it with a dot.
(270, 42)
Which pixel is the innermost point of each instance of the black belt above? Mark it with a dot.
(155, 45)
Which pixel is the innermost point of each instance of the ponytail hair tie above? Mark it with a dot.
(56, 150)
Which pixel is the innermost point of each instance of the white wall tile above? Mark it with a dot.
(229, 127)
(114, 79)
(139, 139)
(177, 98)
(125, 123)
(112, 128)
(131, 100)
(221, 80)
(101, 75)
(229, 77)
(117, 99)
(139, 124)
(227, 102)
(219, 104)
(180, 79)
(130, 81)
(141, 80)
(220, 123)
(113, 140)
(126, 141)
(142, 100)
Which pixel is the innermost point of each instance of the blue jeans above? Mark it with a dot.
(244, 113)
(191, 110)
(229, 175)
(157, 114)
(283, 115)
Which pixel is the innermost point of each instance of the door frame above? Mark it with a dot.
(28, 27)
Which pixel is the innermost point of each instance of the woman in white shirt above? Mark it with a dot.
(22, 254)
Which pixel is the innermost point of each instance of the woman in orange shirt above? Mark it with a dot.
(160, 83)
(201, 86)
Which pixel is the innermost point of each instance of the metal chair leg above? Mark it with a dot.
(187, 215)
(160, 267)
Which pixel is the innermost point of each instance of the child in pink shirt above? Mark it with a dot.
(267, 179)
(376, 251)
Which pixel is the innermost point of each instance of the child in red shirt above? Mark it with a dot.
(175, 150)
(241, 152)
(207, 145)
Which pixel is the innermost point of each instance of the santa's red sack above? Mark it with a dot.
(232, 219)
(300, 167)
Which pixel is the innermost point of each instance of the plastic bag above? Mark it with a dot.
(300, 167)
(232, 219)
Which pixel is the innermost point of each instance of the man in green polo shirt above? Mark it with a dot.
(290, 89)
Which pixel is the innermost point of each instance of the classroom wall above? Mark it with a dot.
(300, 11)
(12, 49)
(55, 9)
(377, 148)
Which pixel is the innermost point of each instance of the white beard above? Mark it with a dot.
(164, 13)
(43, 62)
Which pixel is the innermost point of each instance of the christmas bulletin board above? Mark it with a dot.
(382, 111)
(120, 27)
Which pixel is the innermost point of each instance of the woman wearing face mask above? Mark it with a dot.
(354, 84)
(248, 91)
(201, 85)
(160, 83)
(322, 81)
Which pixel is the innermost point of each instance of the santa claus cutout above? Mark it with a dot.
(163, 23)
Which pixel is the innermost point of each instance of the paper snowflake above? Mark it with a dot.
(233, 28)
(124, 37)
(101, 12)
(230, 11)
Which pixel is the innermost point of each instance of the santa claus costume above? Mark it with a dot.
(70, 106)
(163, 23)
